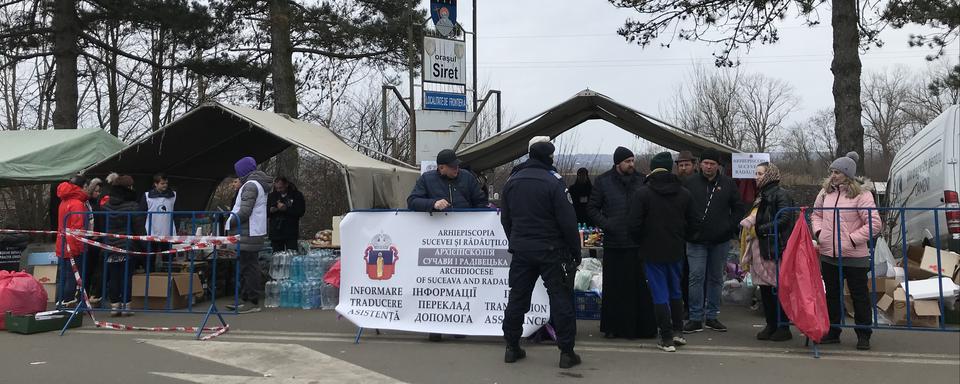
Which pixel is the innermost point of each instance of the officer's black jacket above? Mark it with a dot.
(536, 212)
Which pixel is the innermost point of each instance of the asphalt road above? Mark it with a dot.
(293, 346)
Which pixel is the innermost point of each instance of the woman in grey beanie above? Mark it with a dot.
(845, 241)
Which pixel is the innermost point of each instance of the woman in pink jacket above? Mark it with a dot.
(845, 241)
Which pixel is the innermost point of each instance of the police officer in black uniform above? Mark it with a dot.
(541, 225)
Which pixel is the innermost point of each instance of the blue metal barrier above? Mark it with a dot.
(873, 235)
(189, 222)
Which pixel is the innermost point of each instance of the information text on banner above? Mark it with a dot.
(443, 273)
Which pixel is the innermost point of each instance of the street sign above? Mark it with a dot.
(444, 15)
(444, 101)
(444, 61)
(745, 164)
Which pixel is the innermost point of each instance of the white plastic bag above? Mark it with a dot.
(883, 262)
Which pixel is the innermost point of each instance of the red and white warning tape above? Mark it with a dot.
(217, 331)
(111, 248)
(216, 240)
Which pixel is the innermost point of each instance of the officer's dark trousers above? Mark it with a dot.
(525, 268)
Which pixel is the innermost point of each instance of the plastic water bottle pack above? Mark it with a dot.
(298, 280)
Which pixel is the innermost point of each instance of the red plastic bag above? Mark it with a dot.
(801, 286)
(332, 276)
(21, 294)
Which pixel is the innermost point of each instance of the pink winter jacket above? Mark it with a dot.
(854, 224)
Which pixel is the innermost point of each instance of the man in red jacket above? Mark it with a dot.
(72, 199)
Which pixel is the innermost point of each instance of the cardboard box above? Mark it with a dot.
(921, 263)
(923, 313)
(156, 293)
(885, 285)
(51, 289)
(45, 274)
(335, 237)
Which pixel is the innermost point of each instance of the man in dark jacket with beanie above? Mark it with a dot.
(719, 209)
(660, 219)
(449, 187)
(541, 226)
(626, 311)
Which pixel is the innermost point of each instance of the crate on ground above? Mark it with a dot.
(587, 305)
(40, 322)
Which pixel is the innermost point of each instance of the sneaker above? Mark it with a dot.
(126, 310)
(781, 334)
(114, 309)
(569, 359)
(693, 327)
(715, 325)
(69, 304)
(95, 300)
(232, 307)
(679, 341)
(765, 333)
(514, 354)
(435, 337)
(666, 346)
(248, 308)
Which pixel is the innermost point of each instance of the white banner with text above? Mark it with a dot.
(440, 273)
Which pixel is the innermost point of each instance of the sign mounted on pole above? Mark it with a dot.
(444, 15)
(444, 101)
(745, 164)
(444, 61)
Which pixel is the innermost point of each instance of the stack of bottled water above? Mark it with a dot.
(298, 281)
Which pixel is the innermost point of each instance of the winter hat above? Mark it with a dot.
(847, 164)
(538, 139)
(621, 154)
(710, 154)
(662, 160)
(245, 166)
(542, 151)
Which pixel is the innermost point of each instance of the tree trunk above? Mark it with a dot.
(113, 95)
(846, 69)
(156, 84)
(284, 83)
(65, 50)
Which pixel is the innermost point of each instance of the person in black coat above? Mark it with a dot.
(772, 199)
(719, 209)
(449, 187)
(626, 310)
(661, 219)
(541, 227)
(580, 192)
(286, 206)
(121, 201)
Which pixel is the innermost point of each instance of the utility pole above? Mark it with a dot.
(474, 56)
(412, 64)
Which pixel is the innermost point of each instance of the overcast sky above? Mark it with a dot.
(542, 52)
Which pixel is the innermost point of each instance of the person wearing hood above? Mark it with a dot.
(120, 202)
(250, 208)
(626, 310)
(73, 201)
(844, 244)
(541, 228)
(762, 246)
(580, 192)
(449, 187)
(92, 267)
(661, 218)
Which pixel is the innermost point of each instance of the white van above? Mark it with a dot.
(925, 174)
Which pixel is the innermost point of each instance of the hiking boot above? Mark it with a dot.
(831, 338)
(569, 359)
(514, 354)
(693, 327)
(435, 337)
(765, 333)
(715, 325)
(781, 334)
(666, 345)
(863, 343)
